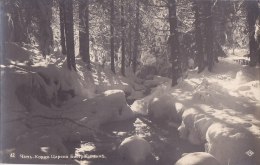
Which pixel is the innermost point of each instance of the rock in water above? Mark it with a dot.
(135, 150)
(197, 158)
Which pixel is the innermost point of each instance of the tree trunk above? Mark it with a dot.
(252, 14)
(123, 38)
(19, 35)
(112, 46)
(209, 41)
(62, 27)
(84, 31)
(173, 41)
(198, 37)
(136, 39)
(130, 29)
(130, 52)
(69, 31)
(45, 30)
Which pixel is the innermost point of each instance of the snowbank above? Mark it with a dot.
(197, 158)
(135, 150)
(53, 100)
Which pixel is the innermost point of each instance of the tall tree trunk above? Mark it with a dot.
(123, 38)
(209, 41)
(129, 34)
(62, 27)
(69, 31)
(112, 46)
(252, 14)
(130, 52)
(198, 37)
(136, 39)
(84, 31)
(46, 35)
(174, 41)
(19, 35)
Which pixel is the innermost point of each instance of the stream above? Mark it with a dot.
(164, 139)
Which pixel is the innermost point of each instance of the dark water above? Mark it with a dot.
(166, 145)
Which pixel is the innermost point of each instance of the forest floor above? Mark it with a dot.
(217, 112)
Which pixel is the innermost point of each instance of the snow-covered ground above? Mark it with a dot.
(44, 102)
(219, 109)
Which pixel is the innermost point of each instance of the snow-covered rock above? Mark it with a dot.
(162, 108)
(230, 145)
(138, 87)
(157, 80)
(242, 77)
(191, 63)
(136, 95)
(146, 72)
(107, 107)
(197, 158)
(180, 109)
(141, 106)
(135, 150)
(187, 129)
(124, 87)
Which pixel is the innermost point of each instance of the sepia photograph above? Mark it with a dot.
(130, 82)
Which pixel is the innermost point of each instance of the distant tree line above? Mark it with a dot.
(124, 30)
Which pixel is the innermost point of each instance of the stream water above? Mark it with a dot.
(164, 139)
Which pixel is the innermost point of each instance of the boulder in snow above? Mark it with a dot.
(197, 158)
(162, 108)
(186, 129)
(146, 72)
(230, 145)
(107, 107)
(135, 150)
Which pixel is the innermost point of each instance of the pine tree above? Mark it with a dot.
(69, 31)
(112, 46)
(198, 36)
(62, 26)
(123, 38)
(174, 41)
(209, 41)
(252, 14)
(136, 39)
(84, 31)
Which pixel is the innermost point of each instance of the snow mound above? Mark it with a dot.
(229, 145)
(162, 108)
(135, 150)
(197, 158)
